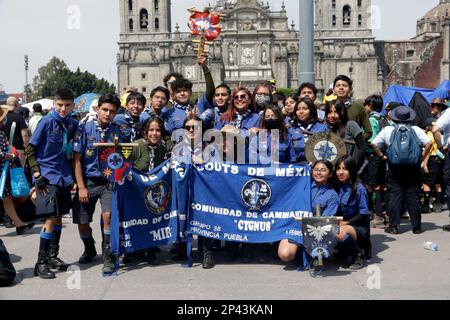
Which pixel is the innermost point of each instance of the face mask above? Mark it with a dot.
(271, 124)
(262, 100)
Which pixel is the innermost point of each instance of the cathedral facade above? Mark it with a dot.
(256, 44)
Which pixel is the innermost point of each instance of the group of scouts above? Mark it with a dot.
(61, 153)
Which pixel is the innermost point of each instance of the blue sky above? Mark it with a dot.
(44, 28)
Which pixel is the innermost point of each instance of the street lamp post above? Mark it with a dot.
(26, 79)
(306, 42)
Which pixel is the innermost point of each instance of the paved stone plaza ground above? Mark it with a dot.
(405, 269)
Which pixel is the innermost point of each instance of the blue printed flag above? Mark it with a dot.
(147, 209)
(255, 204)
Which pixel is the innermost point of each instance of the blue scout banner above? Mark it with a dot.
(147, 209)
(245, 203)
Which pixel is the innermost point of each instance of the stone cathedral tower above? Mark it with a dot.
(144, 45)
(345, 45)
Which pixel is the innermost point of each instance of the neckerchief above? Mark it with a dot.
(188, 108)
(133, 125)
(240, 117)
(217, 109)
(151, 112)
(152, 154)
(290, 121)
(306, 128)
(62, 122)
(101, 130)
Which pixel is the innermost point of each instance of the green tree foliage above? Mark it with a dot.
(56, 74)
(286, 91)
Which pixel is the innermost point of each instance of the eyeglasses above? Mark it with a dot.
(189, 128)
(240, 97)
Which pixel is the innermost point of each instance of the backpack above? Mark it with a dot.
(381, 121)
(7, 271)
(405, 147)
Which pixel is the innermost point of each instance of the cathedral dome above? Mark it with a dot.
(438, 12)
(431, 23)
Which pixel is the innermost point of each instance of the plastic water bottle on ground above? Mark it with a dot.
(429, 245)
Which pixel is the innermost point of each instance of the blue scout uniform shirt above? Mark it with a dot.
(126, 129)
(286, 152)
(152, 113)
(54, 162)
(86, 136)
(289, 121)
(211, 117)
(358, 204)
(299, 139)
(175, 117)
(250, 121)
(326, 197)
(203, 104)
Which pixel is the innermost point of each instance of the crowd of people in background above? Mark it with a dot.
(373, 186)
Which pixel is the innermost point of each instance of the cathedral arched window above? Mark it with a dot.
(130, 25)
(333, 4)
(334, 20)
(359, 3)
(156, 24)
(346, 13)
(130, 5)
(433, 27)
(359, 20)
(143, 18)
(156, 4)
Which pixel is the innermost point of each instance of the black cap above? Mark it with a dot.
(392, 105)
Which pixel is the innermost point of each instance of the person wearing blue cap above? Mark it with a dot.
(404, 172)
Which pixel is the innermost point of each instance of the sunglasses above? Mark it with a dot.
(240, 97)
(189, 128)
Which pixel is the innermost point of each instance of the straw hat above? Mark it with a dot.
(12, 103)
(3, 112)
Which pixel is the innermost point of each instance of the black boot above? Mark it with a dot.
(89, 251)
(358, 261)
(42, 268)
(108, 259)
(426, 203)
(437, 203)
(208, 261)
(54, 262)
(7, 222)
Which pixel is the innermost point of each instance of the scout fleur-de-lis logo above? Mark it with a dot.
(319, 232)
(256, 194)
(127, 151)
(115, 161)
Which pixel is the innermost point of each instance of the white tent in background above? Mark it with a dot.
(47, 104)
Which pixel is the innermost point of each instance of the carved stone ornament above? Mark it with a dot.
(247, 56)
